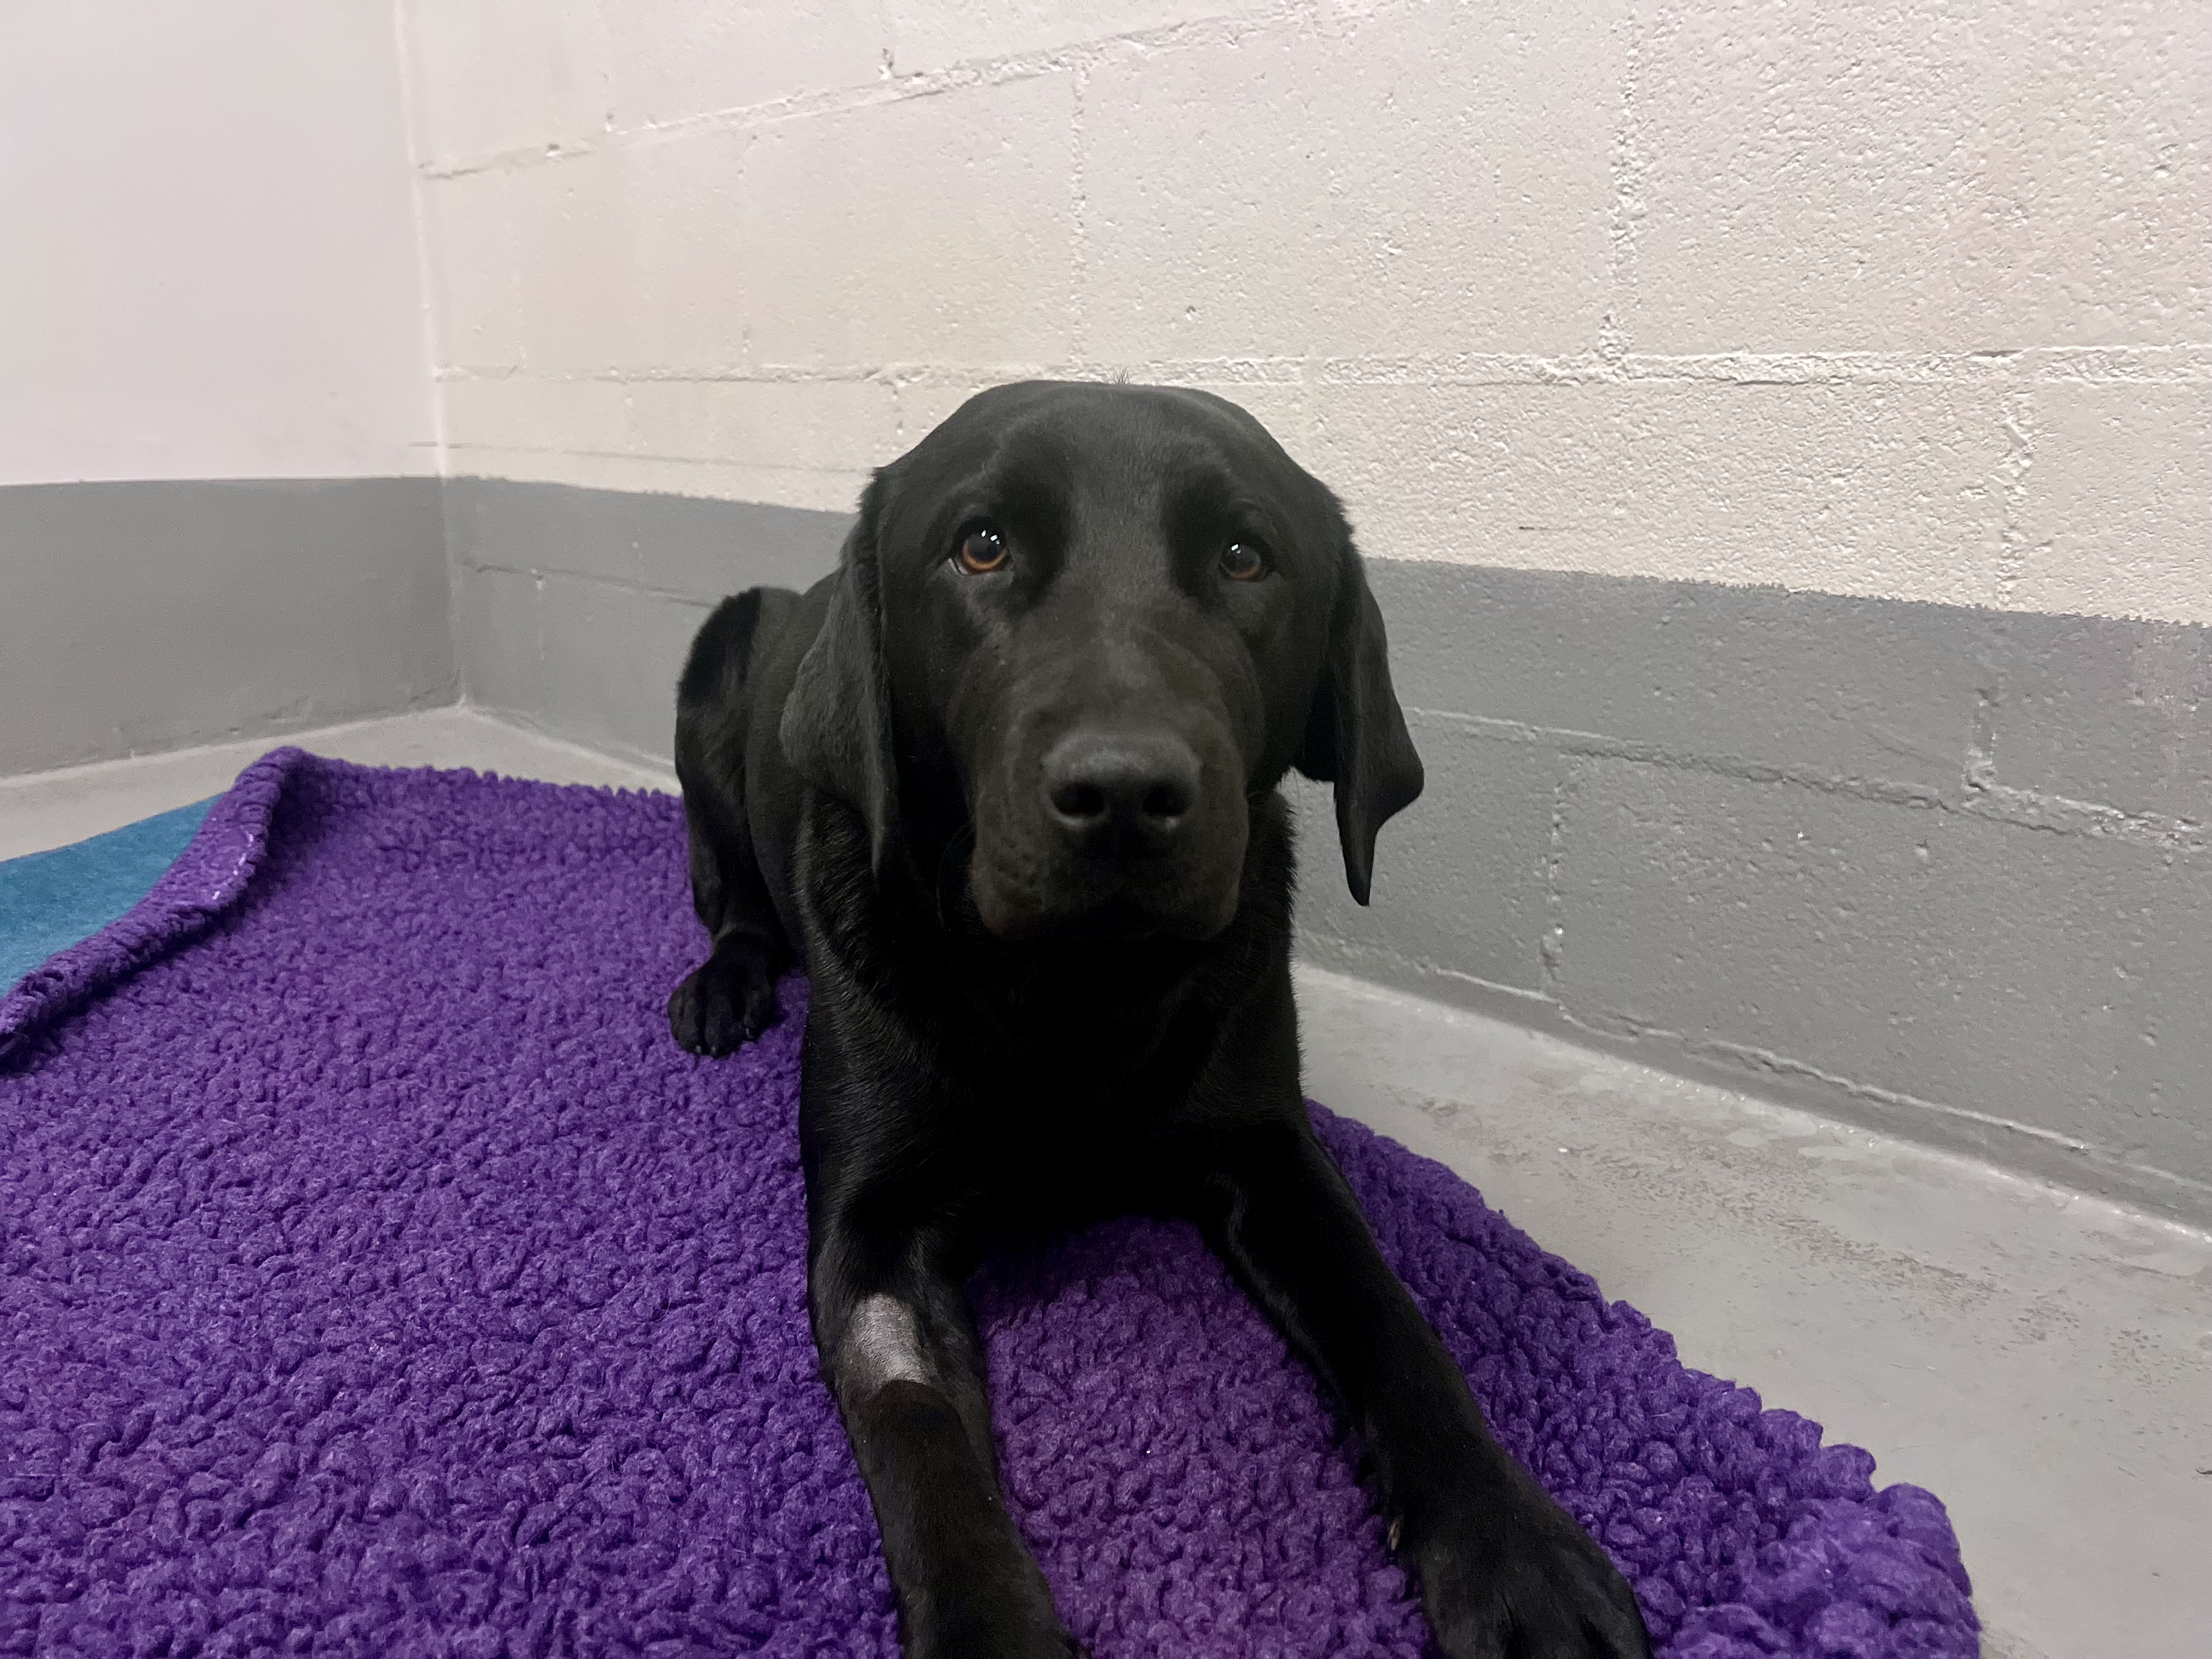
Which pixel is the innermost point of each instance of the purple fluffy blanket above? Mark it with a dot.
(377, 1277)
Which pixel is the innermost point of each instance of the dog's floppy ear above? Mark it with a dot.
(1355, 735)
(836, 724)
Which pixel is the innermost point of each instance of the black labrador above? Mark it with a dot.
(1006, 786)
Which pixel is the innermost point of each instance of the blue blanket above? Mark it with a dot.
(49, 901)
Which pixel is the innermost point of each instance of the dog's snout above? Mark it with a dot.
(1111, 825)
(1142, 786)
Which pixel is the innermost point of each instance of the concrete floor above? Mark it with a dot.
(52, 809)
(2041, 1360)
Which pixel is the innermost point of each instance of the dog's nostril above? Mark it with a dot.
(1166, 800)
(1080, 801)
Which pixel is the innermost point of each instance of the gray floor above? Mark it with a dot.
(52, 809)
(2041, 1360)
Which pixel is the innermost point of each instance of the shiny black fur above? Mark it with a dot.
(1019, 825)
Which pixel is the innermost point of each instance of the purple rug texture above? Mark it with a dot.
(377, 1277)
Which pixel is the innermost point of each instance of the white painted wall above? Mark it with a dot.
(209, 264)
(1847, 297)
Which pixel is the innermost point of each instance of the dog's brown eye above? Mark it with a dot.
(1244, 561)
(982, 550)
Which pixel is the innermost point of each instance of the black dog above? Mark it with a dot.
(1005, 785)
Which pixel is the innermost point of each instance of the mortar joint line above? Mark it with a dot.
(1979, 797)
(2148, 365)
(1982, 738)
(1625, 162)
(890, 86)
(538, 576)
(1079, 209)
(1552, 949)
(425, 265)
(2017, 418)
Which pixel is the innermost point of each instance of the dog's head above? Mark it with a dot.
(1093, 622)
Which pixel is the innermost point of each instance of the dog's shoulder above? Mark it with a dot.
(741, 629)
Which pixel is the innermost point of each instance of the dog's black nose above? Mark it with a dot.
(1119, 787)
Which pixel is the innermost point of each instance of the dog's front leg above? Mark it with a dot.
(1504, 1570)
(899, 1347)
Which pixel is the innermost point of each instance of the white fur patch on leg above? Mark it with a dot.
(882, 1345)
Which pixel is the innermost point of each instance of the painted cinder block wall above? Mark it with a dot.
(1780, 431)
(1844, 298)
(217, 427)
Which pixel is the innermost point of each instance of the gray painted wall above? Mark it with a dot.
(572, 608)
(147, 615)
(1944, 869)
(1940, 868)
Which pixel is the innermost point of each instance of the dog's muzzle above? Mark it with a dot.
(1113, 833)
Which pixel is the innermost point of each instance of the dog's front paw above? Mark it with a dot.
(1518, 1579)
(726, 1004)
